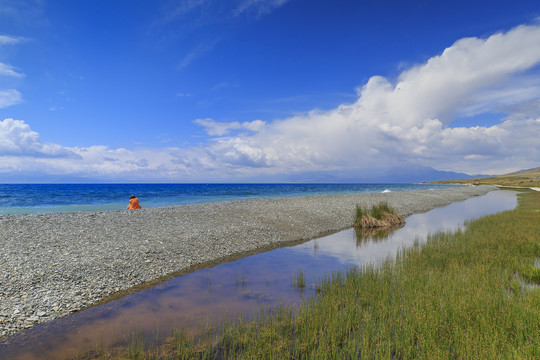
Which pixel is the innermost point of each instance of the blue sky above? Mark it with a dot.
(266, 90)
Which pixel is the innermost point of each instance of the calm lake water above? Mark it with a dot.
(45, 198)
(236, 288)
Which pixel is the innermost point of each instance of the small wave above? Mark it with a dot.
(386, 191)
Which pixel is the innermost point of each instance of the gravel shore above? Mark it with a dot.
(55, 264)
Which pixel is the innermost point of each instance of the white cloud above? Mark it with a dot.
(409, 120)
(197, 52)
(214, 128)
(239, 152)
(187, 6)
(26, 12)
(9, 40)
(7, 70)
(391, 124)
(189, 18)
(16, 138)
(191, 9)
(9, 97)
(258, 7)
(471, 66)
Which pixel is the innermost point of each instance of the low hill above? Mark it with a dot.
(525, 178)
(534, 172)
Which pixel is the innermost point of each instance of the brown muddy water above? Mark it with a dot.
(239, 288)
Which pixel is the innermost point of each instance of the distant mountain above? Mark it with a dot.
(409, 174)
(402, 174)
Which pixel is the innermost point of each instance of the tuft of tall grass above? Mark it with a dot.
(375, 211)
(299, 281)
(136, 348)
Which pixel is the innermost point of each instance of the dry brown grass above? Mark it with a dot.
(387, 220)
(379, 216)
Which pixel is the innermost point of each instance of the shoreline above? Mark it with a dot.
(55, 264)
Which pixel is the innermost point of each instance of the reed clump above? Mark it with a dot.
(381, 215)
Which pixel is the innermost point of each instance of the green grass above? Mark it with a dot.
(519, 181)
(462, 295)
(299, 281)
(375, 211)
(528, 178)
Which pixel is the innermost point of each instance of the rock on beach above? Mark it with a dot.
(55, 264)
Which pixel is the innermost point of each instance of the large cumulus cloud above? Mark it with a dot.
(410, 119)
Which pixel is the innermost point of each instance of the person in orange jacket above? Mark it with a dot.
(133, 203)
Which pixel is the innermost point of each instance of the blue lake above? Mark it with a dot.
(46, 198)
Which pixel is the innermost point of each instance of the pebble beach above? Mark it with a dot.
(56, 264)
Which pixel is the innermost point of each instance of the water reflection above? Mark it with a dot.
(239, 287)
(418, 226)
(376, 234)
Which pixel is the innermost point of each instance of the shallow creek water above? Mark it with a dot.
(238, 288)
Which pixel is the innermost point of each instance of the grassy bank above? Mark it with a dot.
(525, 178)
(472, 294)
